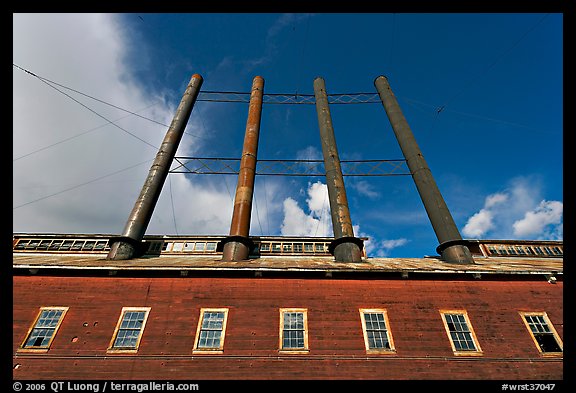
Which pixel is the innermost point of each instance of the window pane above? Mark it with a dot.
(293, 330)
(460, 334)
(209, 339)
(542, 333)
(213, 320)
(39, 337)
(293, 339)
(130, 329)
(211, 330)
(44, 328)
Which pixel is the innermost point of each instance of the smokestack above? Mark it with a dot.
(452, 247)
(237, 246)
(129, 244)
(345, 247)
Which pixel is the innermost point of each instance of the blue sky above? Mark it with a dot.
(482, 93)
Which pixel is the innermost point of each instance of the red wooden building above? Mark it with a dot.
(289, 312)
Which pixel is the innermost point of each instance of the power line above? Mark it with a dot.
(79, 185)
(50, 82)
(69, 138)
(85, 106)
(172, 202)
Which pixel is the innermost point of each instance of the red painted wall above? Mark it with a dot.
(251, 342)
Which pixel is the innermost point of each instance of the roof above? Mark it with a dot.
(483, 265)
(34, 256)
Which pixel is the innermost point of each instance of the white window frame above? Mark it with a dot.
(281, 348)
(386, 351)
(220, 348)
(43, 348)
(111, 347)
(457, 352)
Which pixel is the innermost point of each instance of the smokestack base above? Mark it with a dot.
(123, 248)
(235, 248)
(455, 251)
(347, 249)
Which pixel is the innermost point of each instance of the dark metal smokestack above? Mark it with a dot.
(345, 247)
(128, 245)
(452, 247)
(236, 247)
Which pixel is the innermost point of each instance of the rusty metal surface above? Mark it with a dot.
(241, 215)
(339, 211)
(144, 206)
(493, 265)
(436, 208)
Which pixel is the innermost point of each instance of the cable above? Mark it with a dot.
(79, 185)
(172, 202)
(45, 80)
(258, 215)
(90, 109)
(321, 213)
(266, 203)
(70, 138)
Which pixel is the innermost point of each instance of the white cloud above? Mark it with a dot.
(517, 212)
(315, 223)
(494, 199)
(317, 198)
(382, 248)
(482, 222)
(479, 224)
(318, 222)
(535, 221)
(88, 180)
(365, 188)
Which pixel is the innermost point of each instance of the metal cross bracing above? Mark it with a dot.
(231, 166)
(278, 98)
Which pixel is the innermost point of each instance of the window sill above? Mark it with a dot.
(294, 351)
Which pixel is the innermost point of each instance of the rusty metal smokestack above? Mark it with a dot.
(129, 244)
(345, 247)
(237, 246)
(452, 247)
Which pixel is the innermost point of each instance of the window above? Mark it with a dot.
(44, 328)
(460, 333)
(543, 333)
(293, 330)
(375, 327)
(129, 329)
(211, 330)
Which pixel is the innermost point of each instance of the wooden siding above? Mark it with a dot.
(336, 343)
